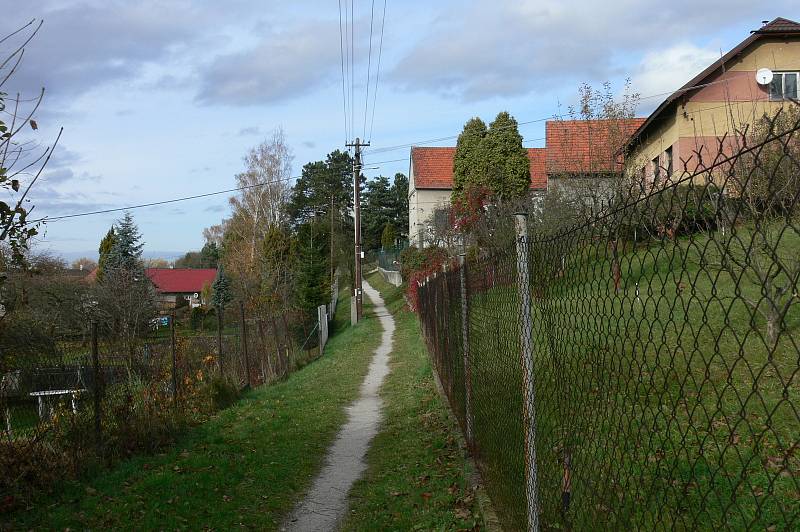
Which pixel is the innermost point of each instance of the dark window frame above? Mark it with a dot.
(670, 161)
(776, 95)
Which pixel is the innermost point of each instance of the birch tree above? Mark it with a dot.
(265, 190)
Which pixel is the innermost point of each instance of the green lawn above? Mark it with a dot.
(245, 467)
(416, 477)
(675, 408)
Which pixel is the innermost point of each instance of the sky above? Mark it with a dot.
(160, 99)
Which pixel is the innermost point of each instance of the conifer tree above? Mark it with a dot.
(508, 172)
(106, 245)
(222, 290)
(468, 163)
(126, 252)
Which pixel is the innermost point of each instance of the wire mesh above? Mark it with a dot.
(663, 333)
(78, 405)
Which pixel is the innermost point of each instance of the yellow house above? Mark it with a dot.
(755, 78)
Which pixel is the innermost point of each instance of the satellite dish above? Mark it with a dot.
(764, 76)
(196, 295)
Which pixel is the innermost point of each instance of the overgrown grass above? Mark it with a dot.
(416, 477)
(244, 468)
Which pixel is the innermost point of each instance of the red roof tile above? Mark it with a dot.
(433, 167)
(587, 146)
(180, 280)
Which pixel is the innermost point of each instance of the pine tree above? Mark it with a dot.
(126, 252)
(400, 208)
(106, 245)
(378, 210)
(468, 163)
(222, 290)
(312, 274)
(508, 172)
(209, 255)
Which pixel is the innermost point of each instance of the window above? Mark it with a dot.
(783, 86)
(656, 170)
(668, 156)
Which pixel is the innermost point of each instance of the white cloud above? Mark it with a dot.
(490, 48)
(284, 65)
(664, 71)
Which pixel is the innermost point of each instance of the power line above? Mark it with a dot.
(559, 117)
(352, 68)
(369, 68)
(390, 148)
(180, 199)
(377, 73)
(341, 54)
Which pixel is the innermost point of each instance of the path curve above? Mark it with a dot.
(326, 502)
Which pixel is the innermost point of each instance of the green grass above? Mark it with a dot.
(675, 409)
(416, 477)
(244, 468)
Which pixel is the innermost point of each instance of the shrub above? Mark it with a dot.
(222, 391)
(196, 318)
(420, 265)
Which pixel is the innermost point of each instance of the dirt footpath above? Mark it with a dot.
(326, 502)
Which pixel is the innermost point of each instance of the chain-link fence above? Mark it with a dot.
(95, 399)
(638, 369)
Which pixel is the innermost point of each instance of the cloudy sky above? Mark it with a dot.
(162, 98)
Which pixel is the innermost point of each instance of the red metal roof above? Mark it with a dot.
(433, 167)
(587, 146)
(181, 280)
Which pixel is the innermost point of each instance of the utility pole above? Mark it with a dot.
(357, 215)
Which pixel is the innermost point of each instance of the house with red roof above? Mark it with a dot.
(431, 184)
(757, 77)
(177, 287)
(579, 155)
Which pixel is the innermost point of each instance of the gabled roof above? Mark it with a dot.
(587, 146)
(180, 280)
(779, 27)
(432, 167)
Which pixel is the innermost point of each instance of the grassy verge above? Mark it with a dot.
(246, 467)
(416, 477)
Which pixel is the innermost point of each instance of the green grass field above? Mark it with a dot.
(675, 407)
(417, 472)
(244, 468)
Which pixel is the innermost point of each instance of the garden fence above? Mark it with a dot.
(95, 399)
(637, 369)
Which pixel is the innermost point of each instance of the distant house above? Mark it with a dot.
(584, 157)
(177, 287)
(684, 132)
(579, 154)
(430, 185)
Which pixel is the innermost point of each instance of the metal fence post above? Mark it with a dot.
(174, 353)
(243, 341)
(97, 392)
(529, 401)
(462, 262)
